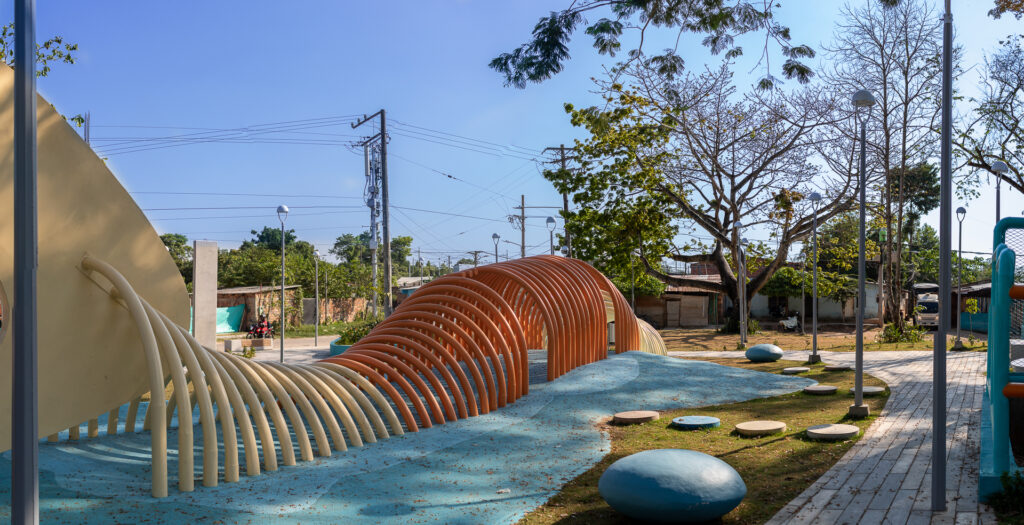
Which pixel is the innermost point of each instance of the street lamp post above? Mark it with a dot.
(862, 102)
(1000, 168)
(316, 295)
(741, 283)
(551, 233)
(961, 213)
(495, 237)
(814, 358)
(282, 214)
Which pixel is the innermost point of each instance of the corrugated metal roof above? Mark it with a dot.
(254, 289)
(711, 278)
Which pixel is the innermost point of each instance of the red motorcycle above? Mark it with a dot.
(261, 329)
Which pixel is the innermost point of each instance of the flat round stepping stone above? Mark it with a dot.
(795, 370)
(760, 428)
(837, 368)
(821, 390)
(833, 432)
(695, 422)
(672, 485)
(764, 353)
(634, 417)
(870, 390)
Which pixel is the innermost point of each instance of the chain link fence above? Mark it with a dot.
(1015, 241)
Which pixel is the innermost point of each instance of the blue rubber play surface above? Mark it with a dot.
(489, 469)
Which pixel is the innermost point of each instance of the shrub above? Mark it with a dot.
(356, 330)
(893, 334)
(732, 326)
(1009, 504)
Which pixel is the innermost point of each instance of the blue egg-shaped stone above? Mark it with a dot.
(695, 422)
(672, 485)
(764, 353)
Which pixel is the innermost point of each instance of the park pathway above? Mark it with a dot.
(885, 478)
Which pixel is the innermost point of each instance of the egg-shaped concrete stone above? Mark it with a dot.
(764, 353)
(672, 486)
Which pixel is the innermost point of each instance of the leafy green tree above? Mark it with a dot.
(181, 252)
(270, 238)
(52, 50)
(353, 248)
(792, 282)
(465, 261)
(401, 249)
(248, 266)
(838, 243)
(546, 53)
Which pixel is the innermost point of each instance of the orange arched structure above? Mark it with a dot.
(456, 348)
(483, 321)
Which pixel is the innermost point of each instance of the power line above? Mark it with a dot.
(405, 124)
(246, 208)
(264, 216)
(216, 194)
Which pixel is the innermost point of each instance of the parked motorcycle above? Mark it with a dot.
(790, 324)
(260, 329)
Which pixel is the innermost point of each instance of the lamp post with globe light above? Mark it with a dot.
(551, 233)
(1000, 168)
(814, 358)
(863, 100)
(961, 214)
(282, 214)
(316, 295)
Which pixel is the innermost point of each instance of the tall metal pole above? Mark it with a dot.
(815, 358)
(858, 396)
(316, 286)
(999, 181)
(568, 236)
(386, 218)
(945, 207)
(522, 226)
(282, 291)
(385, 212)
(551, 241)
(803, 298)
(25, 366)
(371, 176)
(959, 280)
(743, 295)
(565, 200)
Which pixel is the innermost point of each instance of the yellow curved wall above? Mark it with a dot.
(90, 357)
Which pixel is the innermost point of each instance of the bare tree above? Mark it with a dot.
(893, 52)
(684, 154)
(994, 130)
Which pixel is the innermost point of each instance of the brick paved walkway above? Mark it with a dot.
(886, 476)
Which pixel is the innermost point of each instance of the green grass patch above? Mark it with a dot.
(352, 330)
(775, 468)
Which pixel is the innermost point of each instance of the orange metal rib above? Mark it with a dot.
(490, 317)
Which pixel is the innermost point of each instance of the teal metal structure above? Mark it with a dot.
(996, 454)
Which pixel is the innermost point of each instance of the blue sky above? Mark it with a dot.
(158, 69)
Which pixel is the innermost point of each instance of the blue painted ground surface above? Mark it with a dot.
(489, 469)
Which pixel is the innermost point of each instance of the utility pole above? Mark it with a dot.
(449, 263)
(522, 226)
(371, 201)
(86, 126)
(476, 255)
(386, 215)
(520, 220)
(565, 199)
